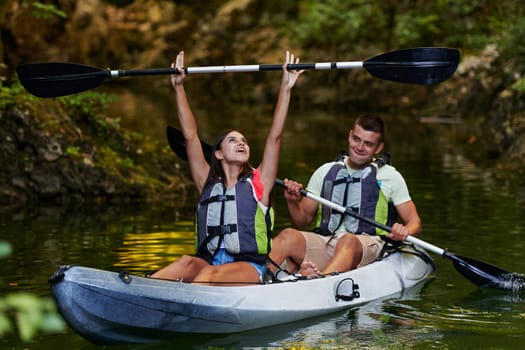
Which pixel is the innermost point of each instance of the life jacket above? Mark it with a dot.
(233, 218)
(361, 192)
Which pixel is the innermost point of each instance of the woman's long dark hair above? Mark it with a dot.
(216, 172)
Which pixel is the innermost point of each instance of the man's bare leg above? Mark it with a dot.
(347, 256)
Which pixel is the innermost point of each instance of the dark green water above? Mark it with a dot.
(462, 209)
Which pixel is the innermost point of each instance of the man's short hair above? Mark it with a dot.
(371, 122)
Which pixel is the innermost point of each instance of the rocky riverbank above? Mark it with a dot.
(485, 94)
(55, 152)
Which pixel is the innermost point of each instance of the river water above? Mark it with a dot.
(462, 209)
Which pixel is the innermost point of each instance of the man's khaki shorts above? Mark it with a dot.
(320, 253)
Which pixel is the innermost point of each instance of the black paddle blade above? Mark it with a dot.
(424, 65)
(59, 79)
(480, 273)
(178, 144)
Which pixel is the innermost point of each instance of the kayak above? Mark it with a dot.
(110, 308)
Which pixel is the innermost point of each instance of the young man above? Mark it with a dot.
(375, 190)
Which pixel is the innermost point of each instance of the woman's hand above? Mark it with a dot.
(178, 79)
(290, 77)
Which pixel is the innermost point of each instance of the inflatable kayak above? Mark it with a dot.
(118, 308)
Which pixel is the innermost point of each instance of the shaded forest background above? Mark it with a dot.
(486, 93)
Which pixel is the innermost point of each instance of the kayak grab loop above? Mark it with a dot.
(346, 290)
(125, 277)
(59, 274)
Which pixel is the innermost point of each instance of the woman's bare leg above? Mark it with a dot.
(185, 269)
(230, 274)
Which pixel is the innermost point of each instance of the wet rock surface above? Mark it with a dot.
(64, 164)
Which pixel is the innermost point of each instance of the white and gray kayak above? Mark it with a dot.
(118, 308)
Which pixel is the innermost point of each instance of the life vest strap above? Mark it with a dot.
(218, 198)
(221, 229)
(347, 180)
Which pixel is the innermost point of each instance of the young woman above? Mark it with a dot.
(234, 218)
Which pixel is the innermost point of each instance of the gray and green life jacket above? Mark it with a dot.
(361, 192)
(234, 219)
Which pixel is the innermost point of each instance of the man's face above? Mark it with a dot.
(363, 146)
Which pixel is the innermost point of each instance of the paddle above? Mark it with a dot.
(424, 65)
(478, 272)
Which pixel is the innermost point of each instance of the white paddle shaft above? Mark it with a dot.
(341, 209)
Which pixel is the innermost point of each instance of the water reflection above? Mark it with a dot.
(153, 250)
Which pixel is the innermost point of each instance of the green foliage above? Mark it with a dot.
(347, 25)
(112, 160)
(14, 95)
(339, 25)
(413, 29)
(88, 103)
(519, 86)
(46, 11)
(88, 108)
(27, 312)
(73, 151)
(511, 43)
(125, 162)
(31, 314)
(5, 249)
(350, 24)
